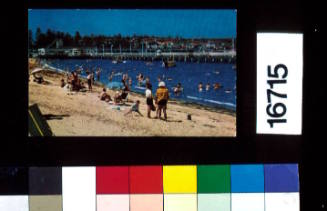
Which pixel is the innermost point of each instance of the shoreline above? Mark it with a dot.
(218, 108)
(83, 114)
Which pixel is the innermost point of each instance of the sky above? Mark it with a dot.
(192, 23)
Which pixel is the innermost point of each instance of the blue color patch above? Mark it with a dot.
(247, 178)
(281, 178)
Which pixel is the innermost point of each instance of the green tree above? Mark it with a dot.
(77, 38)
(30, 39)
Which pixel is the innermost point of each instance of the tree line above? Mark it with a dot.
(44, 39)
(47, 39)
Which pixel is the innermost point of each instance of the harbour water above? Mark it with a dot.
(187, 73)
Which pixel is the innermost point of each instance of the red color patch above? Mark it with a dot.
(146, 179)
(112, 180)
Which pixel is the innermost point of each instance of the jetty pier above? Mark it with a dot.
(228, 56)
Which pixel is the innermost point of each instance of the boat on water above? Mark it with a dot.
(116, 61)
(169, 63)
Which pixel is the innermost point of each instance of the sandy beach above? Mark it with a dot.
(84, 114)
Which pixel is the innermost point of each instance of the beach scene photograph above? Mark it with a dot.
(132, 72)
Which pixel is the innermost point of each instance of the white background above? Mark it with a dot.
(274, 49)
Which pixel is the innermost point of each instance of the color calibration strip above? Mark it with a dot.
(271, 187)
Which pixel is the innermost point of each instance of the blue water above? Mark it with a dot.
(187, 73)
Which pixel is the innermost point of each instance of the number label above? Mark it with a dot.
(279, 83)
(275, 109)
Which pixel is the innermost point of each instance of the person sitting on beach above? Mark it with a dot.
(178, 89)
(125, 92)
(75, 81)
(89, 81)
(82, 87)
(162, 96)
(117, 98)
(149, 100)
(135, 108)
(208, 87)
(104, 96)
(200, 87)
(62, 83)
(38, 78)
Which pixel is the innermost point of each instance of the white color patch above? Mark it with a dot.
(14, 203)
(248, 201)
(282, 201)
(78, 188)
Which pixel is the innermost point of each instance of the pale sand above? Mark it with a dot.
(88, 116)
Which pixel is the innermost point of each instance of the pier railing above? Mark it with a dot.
(203, 56)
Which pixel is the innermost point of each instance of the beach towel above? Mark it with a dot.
(37, 125)
(116, 107)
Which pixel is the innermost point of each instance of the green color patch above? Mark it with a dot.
(214, 179)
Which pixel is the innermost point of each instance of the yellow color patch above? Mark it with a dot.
(179, 179)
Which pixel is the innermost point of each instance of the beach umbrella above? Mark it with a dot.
(115, 85)
(36, 70)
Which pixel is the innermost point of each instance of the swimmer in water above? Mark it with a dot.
(200, 87)
(208, 87)
(216, 86)
(130, 81)
(178, 89)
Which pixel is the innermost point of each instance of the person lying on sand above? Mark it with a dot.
(135, 108)
(104, 96)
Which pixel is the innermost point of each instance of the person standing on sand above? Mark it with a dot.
(149, 100)
(162, 96)
(92, 78)
(89, 81)
(148, 83)
(98, 74)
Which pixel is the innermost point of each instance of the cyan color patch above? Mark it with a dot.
(247, 178)
(281, 178)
